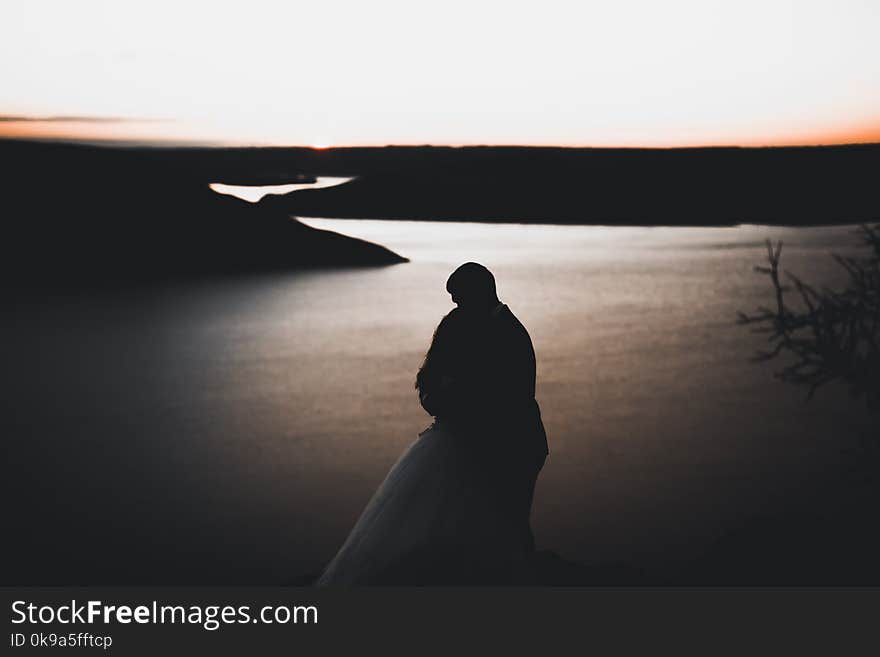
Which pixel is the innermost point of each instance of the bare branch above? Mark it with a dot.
(835, 337)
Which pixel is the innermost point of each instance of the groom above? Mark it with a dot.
(478, 379)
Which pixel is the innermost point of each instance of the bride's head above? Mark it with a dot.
(472, 287)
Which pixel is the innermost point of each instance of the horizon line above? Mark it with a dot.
(227, 144)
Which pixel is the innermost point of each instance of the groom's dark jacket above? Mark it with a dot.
(479, 378)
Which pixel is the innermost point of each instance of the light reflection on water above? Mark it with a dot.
(254, 193)
(256, 415)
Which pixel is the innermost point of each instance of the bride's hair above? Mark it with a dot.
(472, 282)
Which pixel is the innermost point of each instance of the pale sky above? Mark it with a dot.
(621, 72)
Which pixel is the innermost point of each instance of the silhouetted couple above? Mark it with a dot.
(455, 507)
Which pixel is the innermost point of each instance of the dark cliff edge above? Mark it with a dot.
(79, 215)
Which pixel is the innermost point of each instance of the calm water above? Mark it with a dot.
(255, 193)
(232, 430)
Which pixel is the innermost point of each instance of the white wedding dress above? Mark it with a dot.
(439, 517)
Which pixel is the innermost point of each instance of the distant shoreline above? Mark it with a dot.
(787, 186)
(228, 145)
(691, 186)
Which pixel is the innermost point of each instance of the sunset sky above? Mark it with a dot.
(622, 72)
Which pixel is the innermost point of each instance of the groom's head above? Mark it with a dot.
(472, 287)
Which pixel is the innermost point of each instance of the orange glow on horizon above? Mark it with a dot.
(171, 132)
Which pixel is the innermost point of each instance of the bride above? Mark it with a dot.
(454, 508)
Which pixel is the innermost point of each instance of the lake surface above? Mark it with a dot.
(254, 193)
(231, 430)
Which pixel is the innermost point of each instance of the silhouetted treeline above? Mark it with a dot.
(678, 186)
(700, 186)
